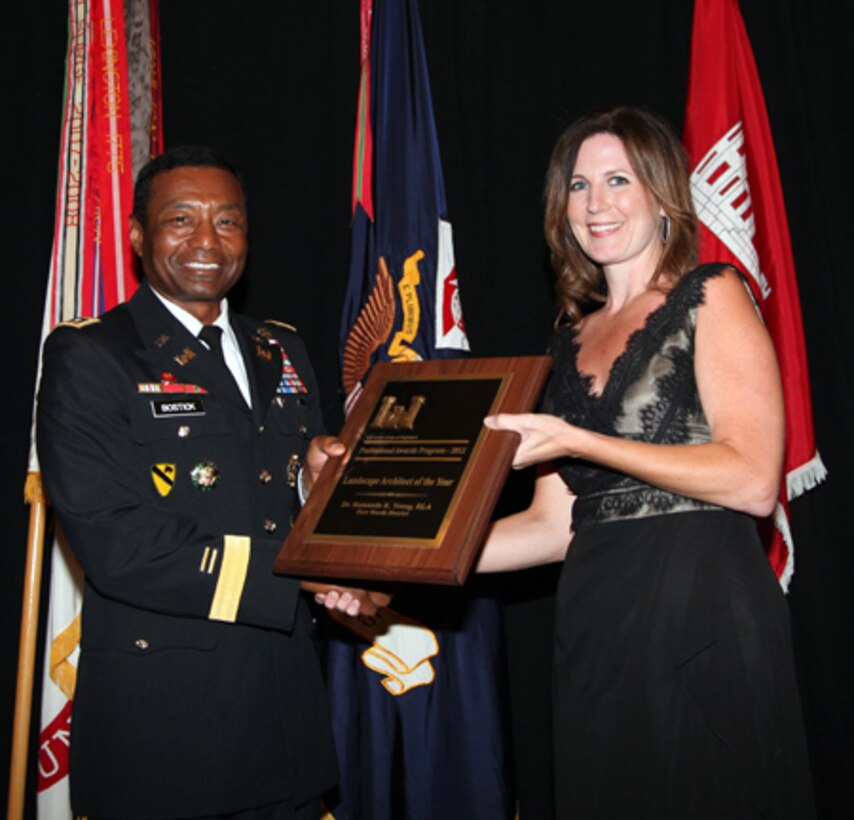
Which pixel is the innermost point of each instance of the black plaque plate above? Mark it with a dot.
(413, 497)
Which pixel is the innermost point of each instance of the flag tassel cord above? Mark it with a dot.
(34, 496)
(805, 477)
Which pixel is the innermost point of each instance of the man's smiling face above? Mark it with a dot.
(193, 245)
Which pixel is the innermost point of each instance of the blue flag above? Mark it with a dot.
(402, 301)
(417, 693)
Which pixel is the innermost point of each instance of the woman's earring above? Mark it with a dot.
(665, 229)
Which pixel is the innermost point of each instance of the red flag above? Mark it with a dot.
(363, 150)
(112, 74)
(737, 193)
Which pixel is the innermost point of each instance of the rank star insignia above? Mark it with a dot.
(204, 475)
(163, 476)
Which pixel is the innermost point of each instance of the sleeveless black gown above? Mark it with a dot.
(674, 687)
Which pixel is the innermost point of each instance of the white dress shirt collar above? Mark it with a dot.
(230, 346)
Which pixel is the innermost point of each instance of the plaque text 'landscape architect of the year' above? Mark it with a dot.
(401, 479)
(412, 498)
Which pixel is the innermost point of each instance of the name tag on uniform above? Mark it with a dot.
(167, 408)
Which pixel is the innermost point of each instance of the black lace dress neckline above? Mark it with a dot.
(650, 395)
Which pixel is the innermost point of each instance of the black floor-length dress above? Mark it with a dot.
(674, 686)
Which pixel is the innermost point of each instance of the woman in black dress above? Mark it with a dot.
(660, 437)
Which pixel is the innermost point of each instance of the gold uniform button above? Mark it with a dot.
(261, 429)
(293, 470)
(265, 476)
(270, 525)
(184, 431)
(303, 429)
(141, 643)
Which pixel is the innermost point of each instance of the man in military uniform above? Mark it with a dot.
(172, 435)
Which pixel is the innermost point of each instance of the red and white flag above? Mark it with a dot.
(110, 125)
(739, 199)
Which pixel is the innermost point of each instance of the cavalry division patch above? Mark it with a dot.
(163, 476)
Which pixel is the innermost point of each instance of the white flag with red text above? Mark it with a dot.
(739, 199)
(110, 125)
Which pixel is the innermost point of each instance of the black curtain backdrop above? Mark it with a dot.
(273, 85)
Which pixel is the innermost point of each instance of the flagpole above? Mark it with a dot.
(34, 496)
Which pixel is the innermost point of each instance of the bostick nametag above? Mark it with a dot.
(173, 407)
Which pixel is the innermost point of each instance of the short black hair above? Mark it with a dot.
(181, 156)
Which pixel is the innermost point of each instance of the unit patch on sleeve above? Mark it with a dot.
(163, 476)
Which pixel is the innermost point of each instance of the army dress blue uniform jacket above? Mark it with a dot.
(199, 690)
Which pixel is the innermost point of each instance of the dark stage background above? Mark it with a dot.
(273, 85)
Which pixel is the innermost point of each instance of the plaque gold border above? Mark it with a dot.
(448, 557)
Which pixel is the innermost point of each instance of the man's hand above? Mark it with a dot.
(349, 600)
(320, 450)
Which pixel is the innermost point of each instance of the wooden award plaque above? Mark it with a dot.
(412, 498)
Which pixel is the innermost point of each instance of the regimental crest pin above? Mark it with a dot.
(186, 355)
(163, 476)
(204, 475)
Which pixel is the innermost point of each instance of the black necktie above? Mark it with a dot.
(211, 335)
